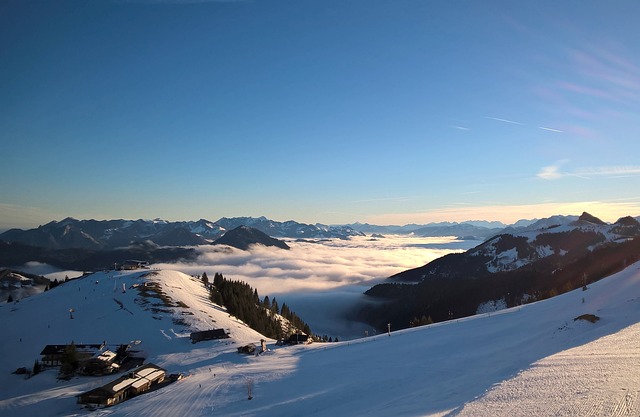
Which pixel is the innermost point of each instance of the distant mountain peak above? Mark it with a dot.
(243, 236)
(627, 221)
(586, 217)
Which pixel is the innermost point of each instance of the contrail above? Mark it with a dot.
(549, 129)
(504, 120)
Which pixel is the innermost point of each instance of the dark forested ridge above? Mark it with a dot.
(13, 254)
(263, 315)
(242, 237)
(543, 264)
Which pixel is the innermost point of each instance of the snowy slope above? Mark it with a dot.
(493, 364)
(103, 312)
(555, 235)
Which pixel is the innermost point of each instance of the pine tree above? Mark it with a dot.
(36, 368)
(205, 279)
(69, 360)
(218, 279)
(284, 311)
(10, 299)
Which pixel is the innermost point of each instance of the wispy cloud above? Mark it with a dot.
(461, 128)
(550, 129)
(498, 119)
(397, 199)
(606, 210)
(609, 171)
(553, 172)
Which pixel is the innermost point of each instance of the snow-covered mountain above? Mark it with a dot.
(112, 234)
(557, 235)
(548, 239)
(509, 363)
(290, 228)
(534, 262)
(476, 230)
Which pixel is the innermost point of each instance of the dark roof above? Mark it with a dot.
(209, 334)
(54, 349)
(298, 338)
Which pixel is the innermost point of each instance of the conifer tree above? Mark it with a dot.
(36, 368)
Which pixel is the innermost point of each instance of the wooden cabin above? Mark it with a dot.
(212, 334)
(134, 383)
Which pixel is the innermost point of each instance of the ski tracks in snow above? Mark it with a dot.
(599, 379)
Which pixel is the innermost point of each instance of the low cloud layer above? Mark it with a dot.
(321, 280)
(319, 266)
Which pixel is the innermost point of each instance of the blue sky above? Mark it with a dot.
(318, 111)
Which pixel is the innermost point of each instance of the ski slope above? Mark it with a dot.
(527, 361)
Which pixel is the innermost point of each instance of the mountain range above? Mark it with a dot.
(115, 234)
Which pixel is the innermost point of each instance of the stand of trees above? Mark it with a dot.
(243, 302)
(440, 297)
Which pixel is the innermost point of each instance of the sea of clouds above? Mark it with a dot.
(322, 280)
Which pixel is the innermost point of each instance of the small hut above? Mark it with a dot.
(212, 334)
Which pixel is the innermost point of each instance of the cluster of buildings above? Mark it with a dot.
(96, 359)
(93, 359)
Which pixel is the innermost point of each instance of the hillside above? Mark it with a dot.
(531, 263)
(512, 358)
(243, 236)
(15, 253)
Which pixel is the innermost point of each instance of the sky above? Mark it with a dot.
(387, 112)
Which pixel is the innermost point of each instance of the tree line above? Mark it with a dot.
(243, 301)
(441, 298)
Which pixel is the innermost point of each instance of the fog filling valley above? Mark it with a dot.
(322, 280)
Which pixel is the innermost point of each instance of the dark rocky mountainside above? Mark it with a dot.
(242, 237)
(113, 234)
(531, 263)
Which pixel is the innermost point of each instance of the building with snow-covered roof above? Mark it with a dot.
(52, 354)
(133, 383)
(135, 264)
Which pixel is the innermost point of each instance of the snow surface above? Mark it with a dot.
(533, 360)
